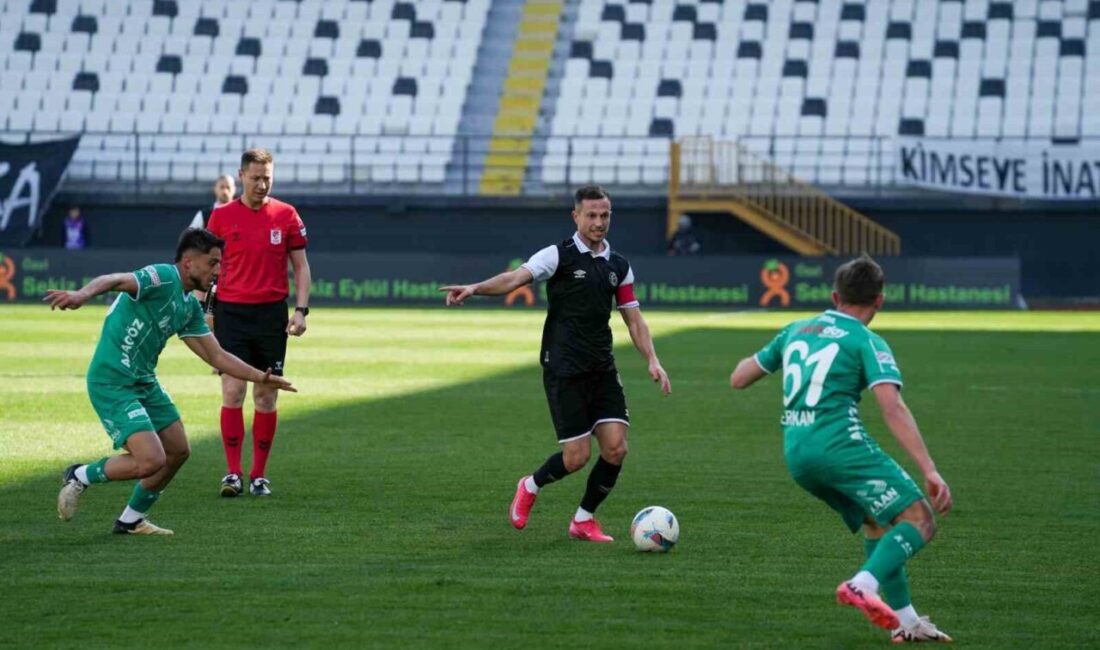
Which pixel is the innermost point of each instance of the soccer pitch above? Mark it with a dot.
(395, 464)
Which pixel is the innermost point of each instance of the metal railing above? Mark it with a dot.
(151, 163)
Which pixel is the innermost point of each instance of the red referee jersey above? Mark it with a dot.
(257, 249)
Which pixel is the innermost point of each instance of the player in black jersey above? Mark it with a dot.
(585, 280)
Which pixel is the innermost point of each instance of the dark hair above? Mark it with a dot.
(198, 239)
(859, 281)
(262, 156)
(590, 193)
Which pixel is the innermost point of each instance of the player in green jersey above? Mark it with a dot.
(154, 303)
(827, 361)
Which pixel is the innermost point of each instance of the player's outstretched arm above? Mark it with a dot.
(209, 350)
(747, 373)
(498, 285)
(904, 427)
(643, 341)
(59, 299)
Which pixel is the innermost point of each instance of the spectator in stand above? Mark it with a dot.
(76, 230)
(684, 241)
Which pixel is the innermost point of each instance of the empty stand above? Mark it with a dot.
(259, 72)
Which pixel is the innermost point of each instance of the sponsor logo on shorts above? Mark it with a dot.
(137, 413)
(880, 494)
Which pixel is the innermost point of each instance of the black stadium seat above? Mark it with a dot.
(83, 24)
(369, 49)
(600, 69)
(422, 30)
(405, 86)
(326, 29)
(795, 68)
(847, 50)
(581, 50)
(813, 106)
(167, 8)
(315, 67)
(248, 46)
(235, 85)
(207, 27)
(327, 105)
(28, 42)
(670, 88)
(86, 81)
(170, 63)
(704, 32)
(911, 126)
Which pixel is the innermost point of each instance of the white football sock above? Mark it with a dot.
(908, 616)
(529, 485)
(865, 581)
(582, 515)
(82, 475)
(131, 516)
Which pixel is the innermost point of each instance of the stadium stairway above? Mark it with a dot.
(517, 113)
(722, 176)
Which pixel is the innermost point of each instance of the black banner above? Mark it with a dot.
(29, 176)
(735, 283)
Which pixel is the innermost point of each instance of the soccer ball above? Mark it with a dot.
(655, 530)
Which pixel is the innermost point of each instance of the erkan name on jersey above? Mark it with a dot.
(798, 418)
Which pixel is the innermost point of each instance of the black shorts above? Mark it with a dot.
(579, 403)
(255, 333)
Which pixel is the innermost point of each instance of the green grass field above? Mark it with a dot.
(395, 464)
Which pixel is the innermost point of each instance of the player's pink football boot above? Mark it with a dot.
(521, 505)
(870, 604)
(588, 531)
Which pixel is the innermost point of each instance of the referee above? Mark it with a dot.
(583, 388)
(250, 315)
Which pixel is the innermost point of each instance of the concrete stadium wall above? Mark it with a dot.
(1055, 244)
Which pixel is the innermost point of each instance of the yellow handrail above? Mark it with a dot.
(727, 176)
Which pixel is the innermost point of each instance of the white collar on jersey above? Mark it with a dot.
(582, 247)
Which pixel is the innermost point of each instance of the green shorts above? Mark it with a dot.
(125, 410)
(857, 479)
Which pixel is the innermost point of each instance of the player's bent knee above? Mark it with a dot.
(575, 461)
(150, 465)
(615, 455)
(180, 457)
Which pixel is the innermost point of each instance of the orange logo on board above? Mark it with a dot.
(774, 276)
(7, 272)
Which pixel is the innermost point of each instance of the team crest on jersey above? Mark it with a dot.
(613, 278)
(276, 237)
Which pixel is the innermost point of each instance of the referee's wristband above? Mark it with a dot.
(304, 310)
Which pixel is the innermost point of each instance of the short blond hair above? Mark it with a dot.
(257, 155)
